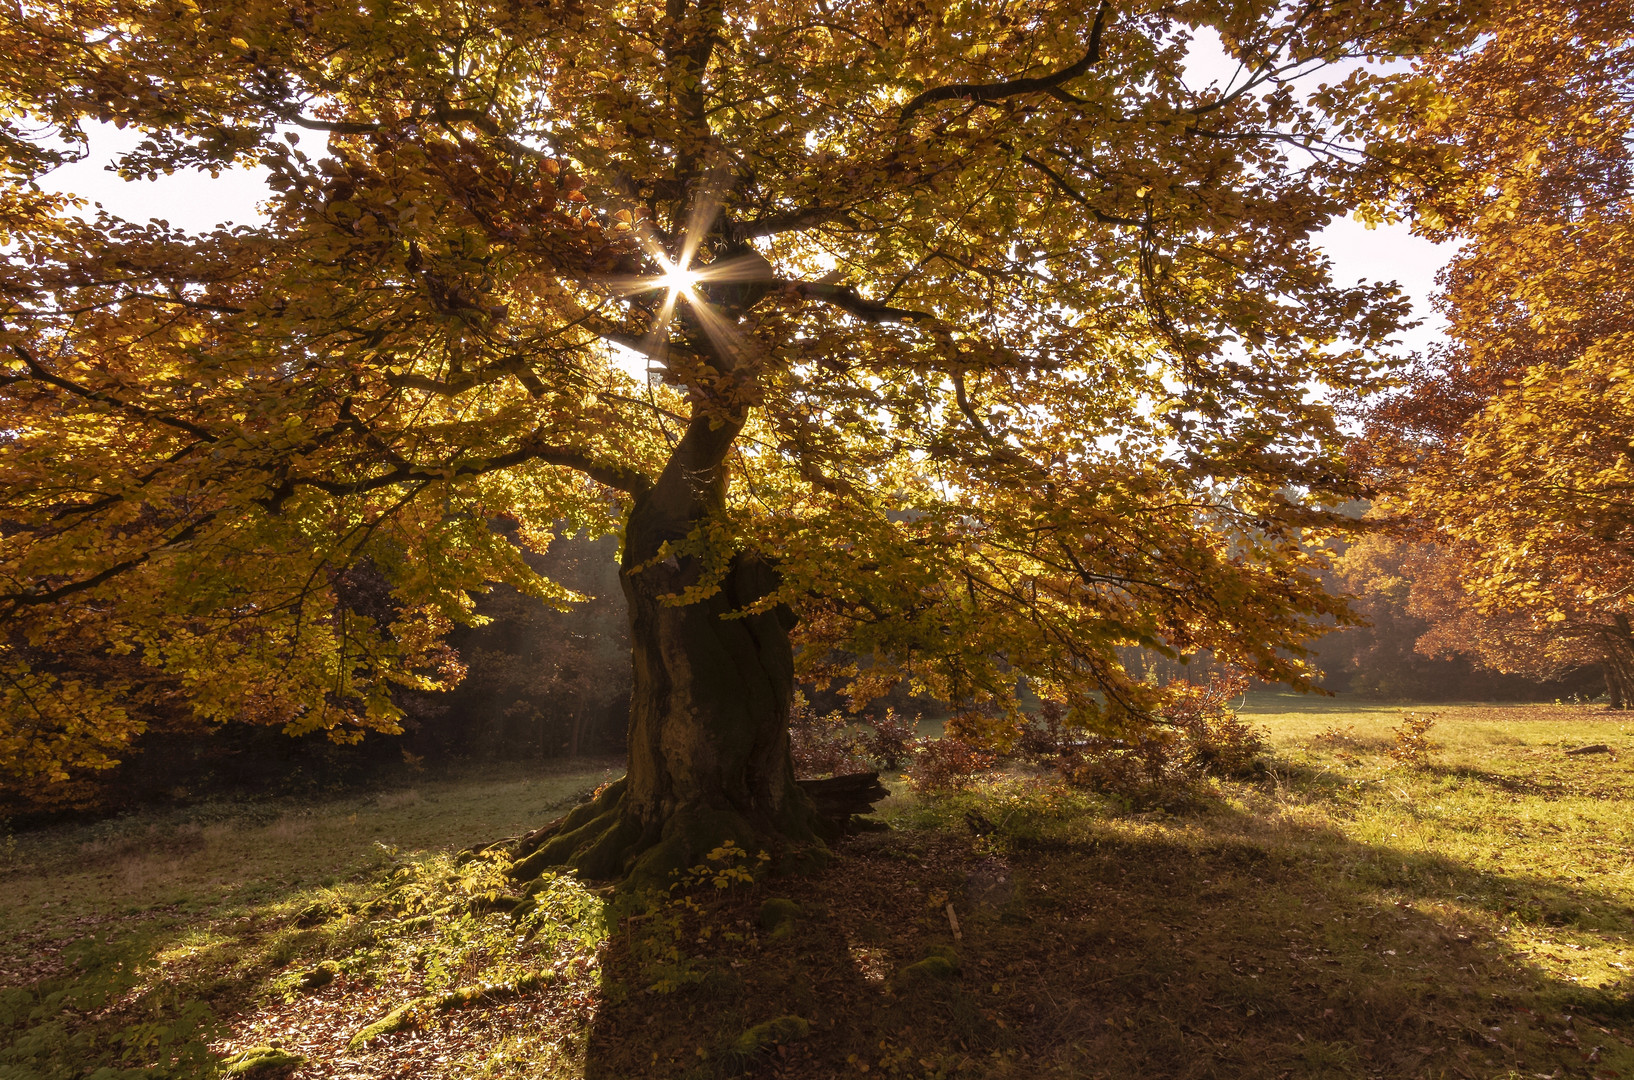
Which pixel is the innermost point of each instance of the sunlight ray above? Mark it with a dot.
(705, 208)
(750, 267)
(633, 285)
(733, 347)
(657, 338)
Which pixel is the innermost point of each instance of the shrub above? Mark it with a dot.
(1334, 735)
(1196, 734)
(947, 764)
(1142, 769)
(1045, 735)
(823, 744)
(833, 743)
(1412, 740)
(890, 738)
(1216, 738)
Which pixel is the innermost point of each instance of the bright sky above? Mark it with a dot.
(1385, 253)
(196, 202)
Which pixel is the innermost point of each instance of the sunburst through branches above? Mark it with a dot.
(681, 278)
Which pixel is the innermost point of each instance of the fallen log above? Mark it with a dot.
(842, 800)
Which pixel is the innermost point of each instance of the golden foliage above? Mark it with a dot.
(1411, 743)
(1004, 346)
(1514, 447)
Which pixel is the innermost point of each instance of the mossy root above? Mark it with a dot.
(413, 1013)
(262, 1063)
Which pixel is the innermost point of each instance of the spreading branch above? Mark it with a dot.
(988, 93)
(618, 477)
(46, 375)
(847, 299)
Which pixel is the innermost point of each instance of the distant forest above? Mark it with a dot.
(544, 684)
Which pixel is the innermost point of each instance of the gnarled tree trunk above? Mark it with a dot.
(709, 716)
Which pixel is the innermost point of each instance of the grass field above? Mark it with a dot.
(1342, 915)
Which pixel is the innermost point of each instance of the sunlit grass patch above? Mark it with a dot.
(1342, 914)
(174, 940)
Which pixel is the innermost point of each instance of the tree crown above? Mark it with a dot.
(1007, 345)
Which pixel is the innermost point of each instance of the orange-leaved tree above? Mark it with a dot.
(1513, 446)
(983, 341)
(1425, 638)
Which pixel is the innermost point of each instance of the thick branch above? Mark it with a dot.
(793, 221)
(846, 298)
(45, 375)
(614, 476)
(32, 596)
(986, 93)
(338, 127)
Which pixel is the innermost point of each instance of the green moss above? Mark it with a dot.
(320, 976)
(689, 836)
(261, 1063)
(410, 1014)
(778, 916)
(930, 969)
(585, 828)
(399, 1019)
(782, 1029)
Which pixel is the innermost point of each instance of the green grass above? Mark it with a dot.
(1342, 915)
(155, 944)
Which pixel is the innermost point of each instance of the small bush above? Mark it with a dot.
(823, 744)
(1412, 744)
(1045, 735)
(834, 743)
(1334, 735)
(1140, 769)
(1197, 734)
(890, 738)
(947, 764)
(1216, 739)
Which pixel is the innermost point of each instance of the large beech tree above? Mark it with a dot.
(982, 343)
(1512, 447)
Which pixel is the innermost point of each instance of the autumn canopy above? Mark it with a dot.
(1510, 449)
(984, 341)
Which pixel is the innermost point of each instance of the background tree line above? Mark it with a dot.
(546, 684)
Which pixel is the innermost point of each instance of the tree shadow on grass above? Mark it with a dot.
(1221, 944)
(155, 946)
(1550, 782)
(1212, 946)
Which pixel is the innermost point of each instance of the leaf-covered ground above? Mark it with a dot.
(1345, 915)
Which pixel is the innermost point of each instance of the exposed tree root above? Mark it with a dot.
(414, 1013)
(603, 840)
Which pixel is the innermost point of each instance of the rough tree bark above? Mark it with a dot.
(709, 716)
(1618, 664)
